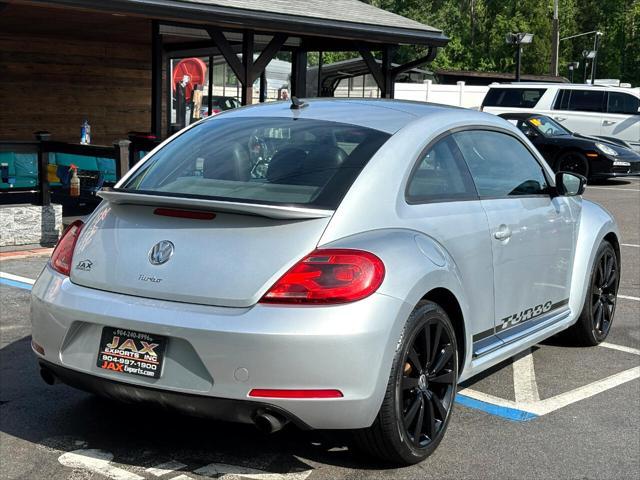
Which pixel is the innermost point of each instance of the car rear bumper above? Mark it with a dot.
(241, 411)
(223, 353)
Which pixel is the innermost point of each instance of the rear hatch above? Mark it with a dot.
(272, 184)
(230, 260)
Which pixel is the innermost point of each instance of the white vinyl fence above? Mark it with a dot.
(460, 95)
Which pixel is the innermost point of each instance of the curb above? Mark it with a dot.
(11, 255)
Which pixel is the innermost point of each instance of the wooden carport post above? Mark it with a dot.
(247, 71)
(385, 75)
(299, 73)
(247, 66)
(156, 80)
(389, 78)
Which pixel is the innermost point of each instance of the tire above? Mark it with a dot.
(596, 318)
(429, 341)
(574, 162)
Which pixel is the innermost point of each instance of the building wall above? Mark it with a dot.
(58, 67)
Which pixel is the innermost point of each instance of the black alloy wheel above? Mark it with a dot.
(420, 393)
(427, 385)
(594, 323)
(573, 162)
(604, 290)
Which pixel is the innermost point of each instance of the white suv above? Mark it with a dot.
(603, 111)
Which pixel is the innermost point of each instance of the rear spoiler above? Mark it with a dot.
(120, 197)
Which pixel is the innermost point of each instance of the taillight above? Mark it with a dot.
(63, 253)
(327, 277)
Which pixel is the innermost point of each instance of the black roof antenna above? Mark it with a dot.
(297, 104)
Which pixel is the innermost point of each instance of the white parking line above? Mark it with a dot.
(99, 461)
(614, 188)
(16, 278)
(630, 245)
(96, 461)
(621, 348)
(627, 297)
(542, 407)
(524, 378)
(234, 472)
(164, 468)
(522, 369)
(564, 399)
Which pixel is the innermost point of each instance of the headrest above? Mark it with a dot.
(231, 162)
(286, 165)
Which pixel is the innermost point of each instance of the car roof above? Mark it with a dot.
(380, 114)
(569, 86)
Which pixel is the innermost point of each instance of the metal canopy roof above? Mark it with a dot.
(342, 19)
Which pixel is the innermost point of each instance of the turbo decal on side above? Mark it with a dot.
(525, 315)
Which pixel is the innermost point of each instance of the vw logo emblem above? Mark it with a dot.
(161, 252)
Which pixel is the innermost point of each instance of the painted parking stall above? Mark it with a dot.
(558, 394)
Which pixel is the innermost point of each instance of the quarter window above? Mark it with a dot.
(441, 175)
(500, 165)
(623, 103)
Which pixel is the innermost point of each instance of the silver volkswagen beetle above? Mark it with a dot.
(337, 264)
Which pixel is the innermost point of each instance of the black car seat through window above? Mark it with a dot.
(231, 162)
(286, 165)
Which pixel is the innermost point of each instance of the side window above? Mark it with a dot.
(562, 100)
(586, 101)
(513, 97)
(441, 175)
(500, 165)
(623, 103)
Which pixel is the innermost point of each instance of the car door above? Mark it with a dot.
(580, 110)
(622, 119)
(442, 202)
(532, 232)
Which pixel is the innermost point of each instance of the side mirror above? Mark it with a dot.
(570, 184)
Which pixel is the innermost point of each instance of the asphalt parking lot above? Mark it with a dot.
(558, 412)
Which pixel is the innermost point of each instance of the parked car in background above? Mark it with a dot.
(219, 104)
(567, 151)
(590, 110)
(387, 251)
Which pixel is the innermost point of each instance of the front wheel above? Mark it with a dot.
(574, 162)
(596, 318)
(420, 393)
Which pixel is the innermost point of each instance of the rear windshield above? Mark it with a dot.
(513, 97)
(267, 160)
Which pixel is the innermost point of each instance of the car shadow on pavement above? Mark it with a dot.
(61, 418)
(611, 182)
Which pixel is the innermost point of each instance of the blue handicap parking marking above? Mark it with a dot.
(512, 414)
(15, 283)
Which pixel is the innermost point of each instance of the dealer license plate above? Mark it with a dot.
(134, 353)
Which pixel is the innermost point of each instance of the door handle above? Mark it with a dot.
(606, 123)
(503, 233)
(560, 119)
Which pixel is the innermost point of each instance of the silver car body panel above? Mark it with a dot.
(210, 307)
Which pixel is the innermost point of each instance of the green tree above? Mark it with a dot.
(477, 29)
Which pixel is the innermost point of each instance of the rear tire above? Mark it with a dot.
(419, 398)
(574, 162)
(596, 318)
